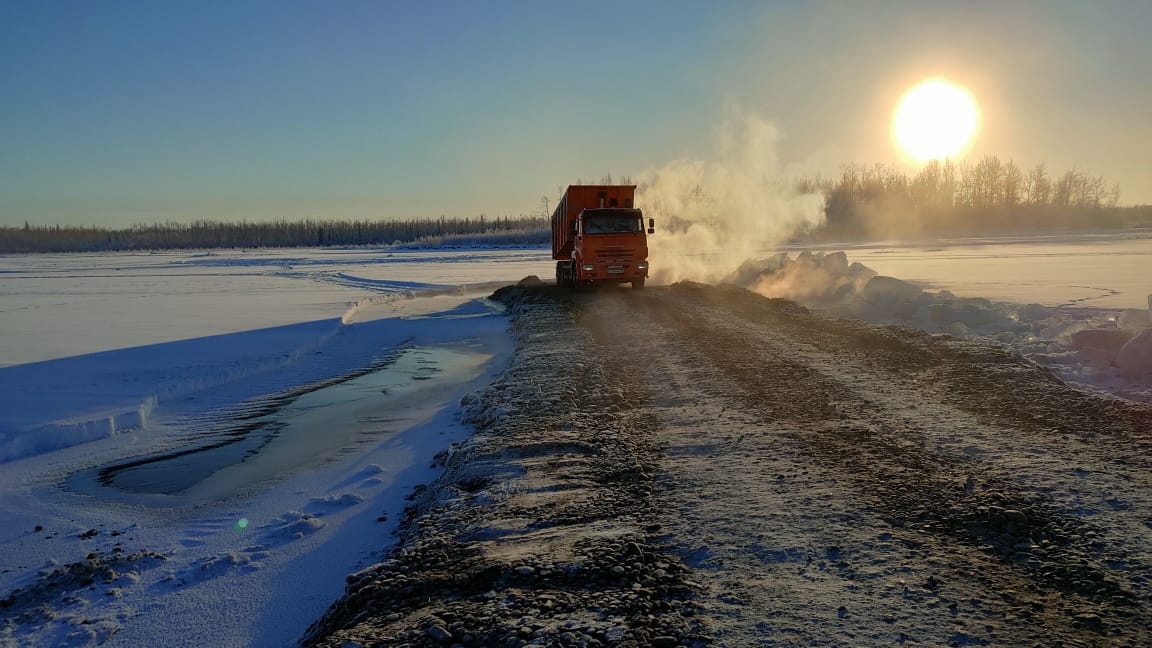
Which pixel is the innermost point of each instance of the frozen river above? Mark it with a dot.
(65, 305)
(60, 305)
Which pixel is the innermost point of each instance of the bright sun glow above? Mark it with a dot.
(936, 119)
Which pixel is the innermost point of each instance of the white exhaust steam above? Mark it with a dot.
(713, 215)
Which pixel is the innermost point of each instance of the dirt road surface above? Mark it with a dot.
(698, 465)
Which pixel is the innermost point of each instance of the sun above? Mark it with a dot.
(935, 119)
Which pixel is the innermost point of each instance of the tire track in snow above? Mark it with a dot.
(889, 509)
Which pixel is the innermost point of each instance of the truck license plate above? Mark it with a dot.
(615, 270)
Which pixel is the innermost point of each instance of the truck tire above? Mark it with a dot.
(637, 284)
(563, 274)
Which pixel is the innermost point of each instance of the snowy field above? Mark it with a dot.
(197, 447)
(1106, 270)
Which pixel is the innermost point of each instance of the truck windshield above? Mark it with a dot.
(613, 225)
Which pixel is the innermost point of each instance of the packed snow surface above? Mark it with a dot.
(196, 447)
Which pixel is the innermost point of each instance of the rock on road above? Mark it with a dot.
(698, 465)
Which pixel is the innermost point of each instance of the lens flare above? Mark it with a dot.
(242, 524)
(935, 119)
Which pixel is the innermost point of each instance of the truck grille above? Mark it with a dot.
(616, 254)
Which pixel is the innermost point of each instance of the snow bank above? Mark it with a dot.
(1099, 348)
(63, 434)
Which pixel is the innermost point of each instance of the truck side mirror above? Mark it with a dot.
(651, 226)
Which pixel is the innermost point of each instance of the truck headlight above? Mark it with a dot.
(643, 265)
(589, 267)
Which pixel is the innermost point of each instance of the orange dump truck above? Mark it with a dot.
(598, 237)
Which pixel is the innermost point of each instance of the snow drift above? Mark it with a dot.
(1096, 348)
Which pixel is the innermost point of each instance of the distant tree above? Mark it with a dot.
(1039, 187)
(278, 233)
(1063, 189)
(949, 197)
(1013, 181)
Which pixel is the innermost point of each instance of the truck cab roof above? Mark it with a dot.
(611, 212)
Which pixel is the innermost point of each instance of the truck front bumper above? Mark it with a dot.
(614, 270)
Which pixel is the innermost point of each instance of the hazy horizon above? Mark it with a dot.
(129, 112)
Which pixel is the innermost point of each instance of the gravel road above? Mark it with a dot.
(698, 465)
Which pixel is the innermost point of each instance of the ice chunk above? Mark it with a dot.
(889, 290)
(1134, 319)
(1032, 313)
(1062, 331)
(941, 314)
(1099, 346)
(977, 312)
(890, 297)
(1100, 339)
(836, 262)
(1136, 354)
(860, 271)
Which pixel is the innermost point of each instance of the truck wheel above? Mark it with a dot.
(637, 284)
(563, 274)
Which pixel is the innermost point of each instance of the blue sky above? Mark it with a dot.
(115, 113)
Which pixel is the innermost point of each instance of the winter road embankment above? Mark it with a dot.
(693, 465)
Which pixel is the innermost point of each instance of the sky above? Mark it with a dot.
(114, 113)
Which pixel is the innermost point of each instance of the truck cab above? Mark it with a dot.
(610, 246)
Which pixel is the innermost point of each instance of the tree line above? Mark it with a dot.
(864, 202)
(279, 233)
(947, 197)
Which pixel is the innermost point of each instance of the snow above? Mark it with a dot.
(1071, 303)
(1102, 269)
(197, 447)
